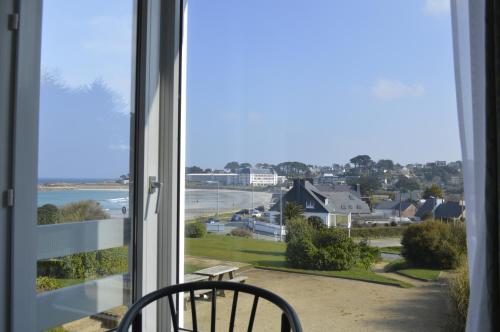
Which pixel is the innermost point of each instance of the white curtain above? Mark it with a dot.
(468, 20)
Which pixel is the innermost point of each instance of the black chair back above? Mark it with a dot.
(289, 319)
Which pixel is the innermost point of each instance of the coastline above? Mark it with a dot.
(83, 186)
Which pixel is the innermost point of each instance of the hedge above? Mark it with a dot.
(375, 232)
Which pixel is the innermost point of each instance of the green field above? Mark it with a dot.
(400, 266)
(422, 274)
(268, 255)
(391, 250)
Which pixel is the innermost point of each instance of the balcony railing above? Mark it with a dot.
(74, 302)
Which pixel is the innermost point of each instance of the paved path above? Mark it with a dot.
(333, 304)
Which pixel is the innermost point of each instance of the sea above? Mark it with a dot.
(112, 200)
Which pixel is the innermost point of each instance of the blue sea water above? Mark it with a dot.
(111, 200)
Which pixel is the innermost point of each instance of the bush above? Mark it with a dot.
(433, 244)
(300, 253)
(83, 210)
(196, 230)
(298, 228)
(44, 284)
(242, 232)
(459, 293)
(85, 265)
(336, 251)
(368, 255)
(48, 214)
(370, 232)
(324, 249)
(316, 222)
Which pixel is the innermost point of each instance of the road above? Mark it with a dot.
(203, 202)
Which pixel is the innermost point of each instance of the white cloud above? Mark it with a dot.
(436, 7)
(393, 89)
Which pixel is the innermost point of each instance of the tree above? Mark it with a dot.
(407, 184)
(48, 214)
(245, 165)
(193, 169)
(368, 184)
(433, 191)
(232, 166)
(361, 161)
(292, 210)
(385, 164)
(83, 210)
(293, 169)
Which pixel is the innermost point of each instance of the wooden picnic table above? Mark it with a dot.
(218, 271)
(191, 277)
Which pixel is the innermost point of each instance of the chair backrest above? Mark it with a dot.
(289, 319)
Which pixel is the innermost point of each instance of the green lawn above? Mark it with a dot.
(423, 274)
(400, 266)
(391, 250)
(268, 255)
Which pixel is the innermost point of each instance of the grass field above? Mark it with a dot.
(269, 255)
(400, 266)
(391, 250)
(422, 274)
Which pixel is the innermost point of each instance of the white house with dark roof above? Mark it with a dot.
(326, 205)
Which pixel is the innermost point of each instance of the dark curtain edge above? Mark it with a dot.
(492, 184)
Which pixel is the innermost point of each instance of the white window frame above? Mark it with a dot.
(159, 146)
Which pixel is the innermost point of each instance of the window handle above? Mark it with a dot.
(155, 185)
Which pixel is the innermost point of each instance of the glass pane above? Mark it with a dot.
(85, 189)
(323, 160)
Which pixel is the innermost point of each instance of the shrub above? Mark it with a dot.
(79, 266)
(83, 210)
(368, 255)
(336, 251)
(48, 214)
(433, 244)
(112, 261)
(316, 222)
(242, 232)
(300, 253)
(370, 232)
(325, 249)
(196, 230)
(44, 284)
(84, 265)
(298, 228)
(459, 293)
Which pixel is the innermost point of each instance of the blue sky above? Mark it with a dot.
(273, 81)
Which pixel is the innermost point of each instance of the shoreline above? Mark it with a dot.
(82, 186)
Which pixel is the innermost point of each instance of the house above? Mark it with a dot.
(395, 209)
(413, 195)
(326, 205)
(252, 176)
(428, 207)
(450, 211)
(224, 179)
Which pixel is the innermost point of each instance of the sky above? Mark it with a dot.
(267, 81)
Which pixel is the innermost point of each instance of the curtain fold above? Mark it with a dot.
(476, 41)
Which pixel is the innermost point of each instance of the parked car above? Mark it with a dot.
(236, 217)
(212, 220)
(256, 213)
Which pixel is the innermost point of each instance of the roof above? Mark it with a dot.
(393, 205)
(314, 200)
(255, 170)
(426, 208)
(449, 210)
